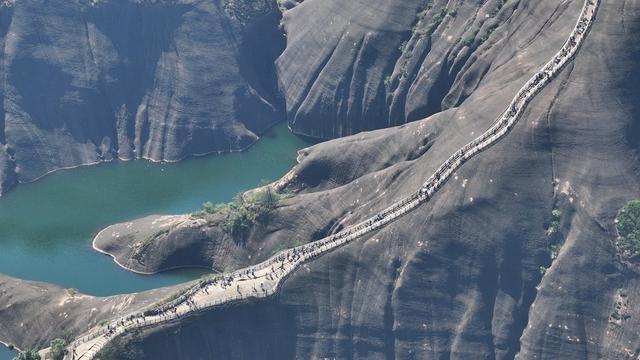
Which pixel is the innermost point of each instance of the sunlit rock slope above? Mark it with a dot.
(481, 271)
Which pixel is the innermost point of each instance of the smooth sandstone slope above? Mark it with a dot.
(459, 277)
(322, 204)
(34, 313)
(470, 274)
(90, 81)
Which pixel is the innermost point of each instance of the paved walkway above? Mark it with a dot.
(264, 279)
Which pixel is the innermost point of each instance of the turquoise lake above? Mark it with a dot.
(6, 354)
(46, 227)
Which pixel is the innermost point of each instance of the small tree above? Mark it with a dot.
(628, 225)
(470, 37)
(208, 207)
(58, 349)
(28, 355)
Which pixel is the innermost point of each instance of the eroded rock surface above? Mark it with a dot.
(88, 81)
(476, 272)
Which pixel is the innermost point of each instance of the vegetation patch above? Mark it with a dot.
(243, 212)
(469, 37)
(277, 249)
(628, 225)
(542, 270)
(435, 21)
(554, 227)
(28, 355)
(58, 350)
(387, 80)
(620, 311)
(488, 32)
(431, 24)
(555, 251)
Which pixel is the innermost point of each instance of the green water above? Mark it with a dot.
(46, 227)
(6, 354)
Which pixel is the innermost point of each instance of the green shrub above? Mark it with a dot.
(615, 314)
(72, 292)
(28, 355)
(555, 250)
(437, 19)
(208, 207)
(58, 350)
(554, 227)
(628, 225)
(240, 214)
(469, 37)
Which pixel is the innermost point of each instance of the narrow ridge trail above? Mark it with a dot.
(264, 279)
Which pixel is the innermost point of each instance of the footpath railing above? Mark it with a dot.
(283, 264)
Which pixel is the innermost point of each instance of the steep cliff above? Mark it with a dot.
(87, 81)
(360, 65)
(513, 257)
(487, 269)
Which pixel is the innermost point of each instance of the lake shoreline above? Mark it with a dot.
(268, 129)
(47, 225)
